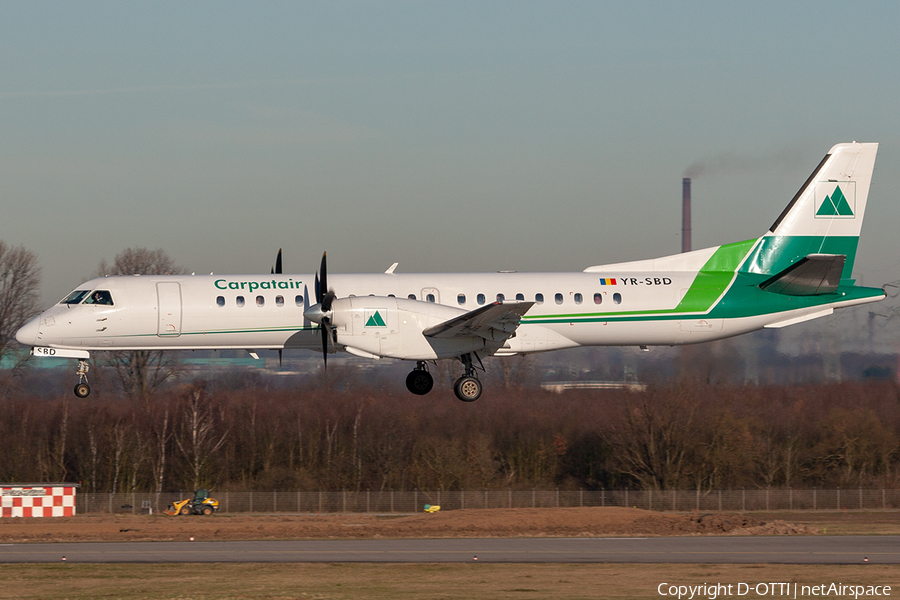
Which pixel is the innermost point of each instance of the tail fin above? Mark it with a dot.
(824, 217)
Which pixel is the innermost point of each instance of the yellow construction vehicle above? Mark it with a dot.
(200, 504)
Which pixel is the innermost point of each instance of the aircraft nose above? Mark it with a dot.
(27, 334)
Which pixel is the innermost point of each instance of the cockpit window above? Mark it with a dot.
(99, 297)
(75, 297)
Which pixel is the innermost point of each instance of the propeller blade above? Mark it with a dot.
(324, 271)
(326, 333)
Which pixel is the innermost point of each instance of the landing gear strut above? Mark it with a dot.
(82, 390)
(467, 388)
(419, 381)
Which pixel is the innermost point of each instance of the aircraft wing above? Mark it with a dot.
(812, 275)
(495, 321)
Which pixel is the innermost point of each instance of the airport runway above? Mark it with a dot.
(796, 549)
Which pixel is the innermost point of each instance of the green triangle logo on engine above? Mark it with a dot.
(835, 205)
(375, 320)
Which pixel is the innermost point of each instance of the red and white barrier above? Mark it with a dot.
(37, 500)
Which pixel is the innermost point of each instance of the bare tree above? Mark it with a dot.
(19, 280)
(141, 372)
(198, 436)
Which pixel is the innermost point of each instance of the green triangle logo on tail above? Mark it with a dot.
(376, 320)
(835, 205)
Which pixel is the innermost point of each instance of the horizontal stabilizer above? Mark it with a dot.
(486, 322)
(813, 275)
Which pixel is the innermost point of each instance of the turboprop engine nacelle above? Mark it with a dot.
(384, 326)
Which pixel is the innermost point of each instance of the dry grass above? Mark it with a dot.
(403, 581)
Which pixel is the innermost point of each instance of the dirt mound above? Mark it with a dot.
(539, 522)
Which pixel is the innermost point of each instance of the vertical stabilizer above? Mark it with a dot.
(824, 217)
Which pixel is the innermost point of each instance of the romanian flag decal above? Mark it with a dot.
(604, 281)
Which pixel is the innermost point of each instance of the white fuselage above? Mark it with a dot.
(266, 311)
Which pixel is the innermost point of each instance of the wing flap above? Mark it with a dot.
(495, 321)
(813, 275)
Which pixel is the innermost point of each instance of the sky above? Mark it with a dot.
(446, 136)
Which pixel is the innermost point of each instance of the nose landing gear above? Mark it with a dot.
(82, 390)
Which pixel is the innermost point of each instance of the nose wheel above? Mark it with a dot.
(82, 390)
(419, 381)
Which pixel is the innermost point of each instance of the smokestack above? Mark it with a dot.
(686, 214)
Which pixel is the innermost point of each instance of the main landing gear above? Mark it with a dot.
(82, 390)
(419, 381)
(467, 388)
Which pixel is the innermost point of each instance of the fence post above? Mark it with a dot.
(791, 495)
(344, 497)
(533, 494)
(720, 500)
(557, 497)
(226, 501)
(814, 498)
(743, 500)
(251, 501)
(767, 497)
(627, 504)
(392, 500)
(860, 498)
(416, 500)
(509, 494)
(462, 499)
(698, 498)
(581, 497)
(485, 499)
(274, 501)
(883, 505)
(839, 498)
(368, 499)
(602, 496)
(650, 501)
(674, 499)
(320, 501)
(110, 503)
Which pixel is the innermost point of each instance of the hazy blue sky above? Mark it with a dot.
(444, 135)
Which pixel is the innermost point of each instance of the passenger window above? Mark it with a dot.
(260, 301)
(617, 298)
(500, 297)
(520, 297)
(100, 297)
(412, 296)
(598, 298)
(220, 301)
(480, 298)
(430, 297)
(578, 298)
(298, 300)
(461, 299)
(239, 300)
(279, 300)
(539, 298)
(559, 298)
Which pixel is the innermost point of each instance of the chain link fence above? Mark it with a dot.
(405, 502)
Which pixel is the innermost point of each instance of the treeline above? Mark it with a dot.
(327, 436)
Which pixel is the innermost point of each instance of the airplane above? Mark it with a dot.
(800, 269)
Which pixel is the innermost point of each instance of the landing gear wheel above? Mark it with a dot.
(467, 389)
(419, 382)
(82, 390)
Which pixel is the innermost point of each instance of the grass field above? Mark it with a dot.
(403, 581)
